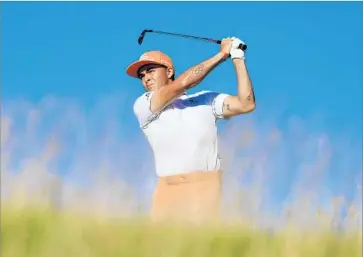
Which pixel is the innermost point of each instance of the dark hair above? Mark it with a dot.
(172, 77)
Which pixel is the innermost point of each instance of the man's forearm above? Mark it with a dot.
(245, 89)
(197, 73)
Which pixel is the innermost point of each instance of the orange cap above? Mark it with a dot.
(152, 57)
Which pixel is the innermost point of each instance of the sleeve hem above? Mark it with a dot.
(217, 105)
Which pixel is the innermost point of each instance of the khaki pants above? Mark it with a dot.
(193, 197)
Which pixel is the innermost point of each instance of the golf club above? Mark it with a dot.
(141, 38)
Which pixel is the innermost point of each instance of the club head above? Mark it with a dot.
(142, 35)
(141, 38)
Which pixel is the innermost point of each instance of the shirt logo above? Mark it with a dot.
(147, 95)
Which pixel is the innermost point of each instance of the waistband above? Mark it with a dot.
(190, 177)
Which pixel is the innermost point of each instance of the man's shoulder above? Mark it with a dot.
(142, 103)
(204, 96)
(143, 99)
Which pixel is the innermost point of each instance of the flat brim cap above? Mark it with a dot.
(152, 57)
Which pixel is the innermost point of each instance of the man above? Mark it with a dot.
(181, 130)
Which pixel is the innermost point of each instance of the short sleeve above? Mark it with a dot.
(216, 101)
(142, 109)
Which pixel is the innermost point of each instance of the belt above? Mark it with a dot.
(190, 177)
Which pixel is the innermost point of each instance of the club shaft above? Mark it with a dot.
(183, 35)
(244, 47)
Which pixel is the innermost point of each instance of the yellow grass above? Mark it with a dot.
(47, 233)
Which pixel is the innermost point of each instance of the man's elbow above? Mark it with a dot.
(251, 107)
(247, 107)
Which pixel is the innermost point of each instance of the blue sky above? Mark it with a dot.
(304, 58)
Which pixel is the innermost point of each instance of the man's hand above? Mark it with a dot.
(235, 52)
(226, 46)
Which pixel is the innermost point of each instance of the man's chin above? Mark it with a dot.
(151, 88)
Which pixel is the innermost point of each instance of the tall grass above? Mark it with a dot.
(76, 183)
(47, 233)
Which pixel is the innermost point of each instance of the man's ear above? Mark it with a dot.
(170, 72)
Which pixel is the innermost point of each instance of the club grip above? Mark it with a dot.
(241, 46)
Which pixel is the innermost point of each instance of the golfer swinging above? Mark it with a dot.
(181, 129)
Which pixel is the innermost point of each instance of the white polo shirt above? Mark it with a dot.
(183, 136)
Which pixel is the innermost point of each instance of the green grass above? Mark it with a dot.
(45, 233)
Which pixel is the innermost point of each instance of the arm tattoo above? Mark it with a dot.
(226, 106)
(198, 70)
(194, 72)
(251, 96)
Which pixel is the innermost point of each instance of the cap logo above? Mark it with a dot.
(146, 57)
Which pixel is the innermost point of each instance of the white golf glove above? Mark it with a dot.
(235, 52)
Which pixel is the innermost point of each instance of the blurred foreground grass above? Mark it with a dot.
(44, 233)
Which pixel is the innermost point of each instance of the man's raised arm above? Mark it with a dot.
(188, 79)
(244, 101)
